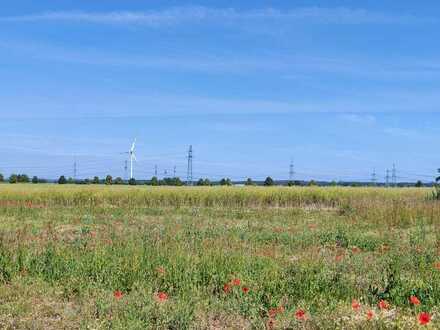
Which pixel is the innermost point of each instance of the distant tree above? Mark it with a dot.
(225, 182)
(333, 183)
(95, 180)
(23, 178)
(312, 183)
(154, 181)
(290, 183)
(2, 178)
(35, 179)
(62, 180)
(86, 181)
(203, 182)
(436, 193)
(119, 180)
(13, 178)
(132, 182)
(419, 184)
(269, 181)
(70, 180)
(108, 180)
(249, 182)
(297, 183)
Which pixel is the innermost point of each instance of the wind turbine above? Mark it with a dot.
(132, 157)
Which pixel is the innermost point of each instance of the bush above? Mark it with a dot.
(34, 179)
(132, 182)
(62, 180)
(119, 180)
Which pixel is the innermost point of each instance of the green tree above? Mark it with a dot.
(108, 180)
(62, 180)
(70, 180)
(154, 181)
(23, 178)
(35, 179)
(95, 180)
(2, 178)
(13, 178)
(269, 181)
(119, 180)
(419, 184)
(249, 182)
(436, 193)
(312, 183)
(225, 182)
(132, 182)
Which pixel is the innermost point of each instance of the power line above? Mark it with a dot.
(374, 177)
(394, 175)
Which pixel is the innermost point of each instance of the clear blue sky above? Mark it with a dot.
(340, 87)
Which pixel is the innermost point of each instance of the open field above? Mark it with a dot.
(97, 257)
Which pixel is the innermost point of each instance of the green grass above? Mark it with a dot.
(64, 250)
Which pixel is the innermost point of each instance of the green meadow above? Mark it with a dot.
(120, 257)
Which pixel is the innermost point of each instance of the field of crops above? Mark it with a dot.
(107, 257)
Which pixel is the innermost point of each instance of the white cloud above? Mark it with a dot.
(183, 15)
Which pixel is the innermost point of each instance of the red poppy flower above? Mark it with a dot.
(161, 297)
(300, 315)
(383, 304)
(226, 288)
(437, 265)
(424, 318)
(275, 311)
(245, 289)
(118, 294)
(339, 257)
(355, 305)
(414, 300)
(236, 281)
(370, 314)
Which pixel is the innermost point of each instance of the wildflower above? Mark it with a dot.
(273, 312)
(236, 281)
(160, 270)
(300, 315)
(270, 324)
(245, 289)
(383, 304)
(355, 305)
(414, 300)
(339, 257)
(161, 297)
(437, 265)
(118, 294)
(355, 250)
(226, 288)
(424, 318)
(370, 315)
(312, 226)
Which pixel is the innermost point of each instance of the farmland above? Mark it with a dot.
(97, 257)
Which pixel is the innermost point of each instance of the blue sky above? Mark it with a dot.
(340, 87)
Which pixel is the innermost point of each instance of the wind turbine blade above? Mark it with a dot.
(133, 145)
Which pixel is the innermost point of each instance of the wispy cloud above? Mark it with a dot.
(364, 119)
(183, 15)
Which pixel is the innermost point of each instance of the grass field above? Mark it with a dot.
(97, 257)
